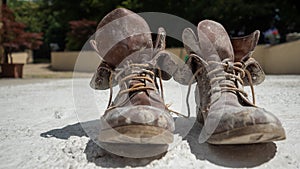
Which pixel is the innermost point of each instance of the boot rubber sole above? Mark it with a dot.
(261, 133)
(136, 141)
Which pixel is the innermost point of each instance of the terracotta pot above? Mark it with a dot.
(12, 70)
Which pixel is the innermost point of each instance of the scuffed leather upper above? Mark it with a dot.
(220, 110)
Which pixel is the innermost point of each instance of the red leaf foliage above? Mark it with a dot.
(13, 33)
(81, 29)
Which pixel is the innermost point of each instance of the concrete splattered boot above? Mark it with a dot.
(228, 116)
(137, 123)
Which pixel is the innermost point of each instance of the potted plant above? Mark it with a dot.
(12, 38)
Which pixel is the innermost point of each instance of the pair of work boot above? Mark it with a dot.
(138, 117)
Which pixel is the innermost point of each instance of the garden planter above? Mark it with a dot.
(12, 70)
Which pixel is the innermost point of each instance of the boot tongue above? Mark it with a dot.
(121, 33)
(215, 45)
(215, 34)
(140, 96)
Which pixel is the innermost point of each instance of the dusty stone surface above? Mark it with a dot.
(44, 70)
(39, 128)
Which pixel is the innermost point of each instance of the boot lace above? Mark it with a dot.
(141, 74)
(230, 70)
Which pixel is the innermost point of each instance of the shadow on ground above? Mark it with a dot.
(65, 132)
(94, 153)
(235, 156)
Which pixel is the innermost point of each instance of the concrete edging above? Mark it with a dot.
(279, 59)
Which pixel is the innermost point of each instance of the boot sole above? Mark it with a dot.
(137, 141)
(248, 135)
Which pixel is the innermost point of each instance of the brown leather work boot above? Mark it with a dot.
(229, 117)
(137, 123)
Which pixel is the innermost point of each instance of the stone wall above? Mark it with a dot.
(279, 59)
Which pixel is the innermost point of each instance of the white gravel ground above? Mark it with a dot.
(39, 128)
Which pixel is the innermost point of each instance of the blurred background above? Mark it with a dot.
(64, 25)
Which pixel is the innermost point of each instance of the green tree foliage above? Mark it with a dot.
(28, 13)
(237, 16)
(52, 16)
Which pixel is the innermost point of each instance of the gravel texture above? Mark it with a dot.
(40, 128)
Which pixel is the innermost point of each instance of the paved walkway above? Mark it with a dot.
(39, 128)
(42, 130)
(44, 71)
(39, 73)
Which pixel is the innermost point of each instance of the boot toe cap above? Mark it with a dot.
(138, 115)
(249, 116)
(249, 125)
